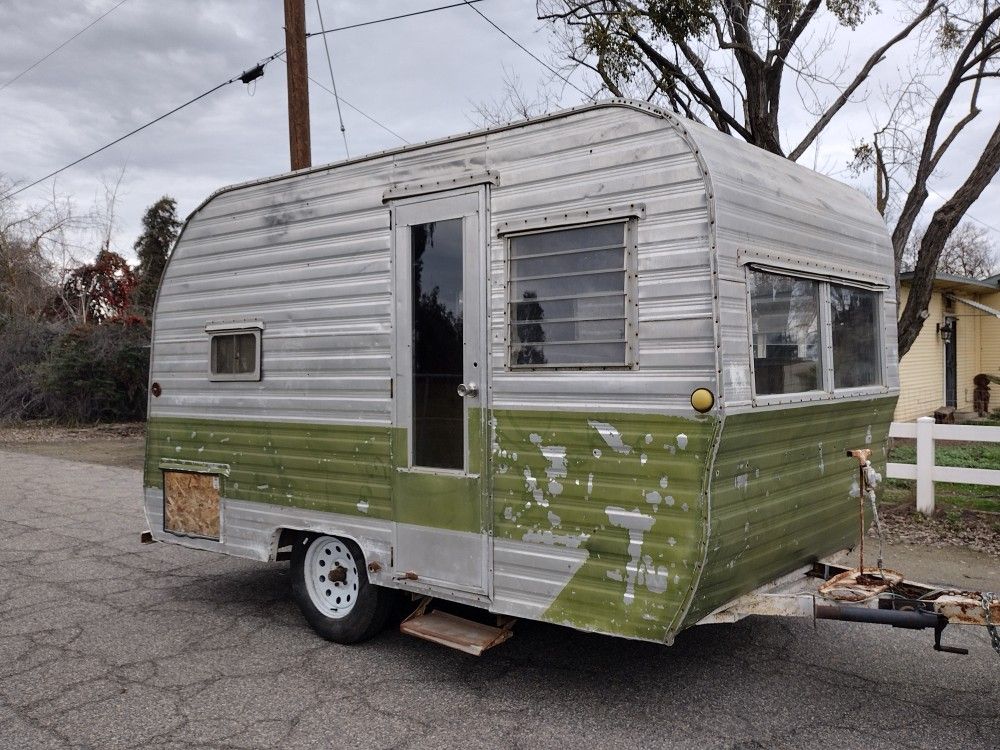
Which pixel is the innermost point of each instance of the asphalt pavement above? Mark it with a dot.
(108, 643)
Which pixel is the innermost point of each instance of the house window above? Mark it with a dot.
(234, 354)
(786, 334)
(812, 336)
(567, 297)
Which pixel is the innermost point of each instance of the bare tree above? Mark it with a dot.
(514, 103)
(29, 245)
(726, 63)
(969, 252)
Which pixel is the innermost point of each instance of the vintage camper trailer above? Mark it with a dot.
(599, 368)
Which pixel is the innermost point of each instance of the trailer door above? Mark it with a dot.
(440, 390)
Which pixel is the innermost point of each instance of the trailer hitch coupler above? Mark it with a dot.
(916, 619)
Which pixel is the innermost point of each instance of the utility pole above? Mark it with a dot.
(298, 84)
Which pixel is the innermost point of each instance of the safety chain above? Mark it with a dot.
(989, 599)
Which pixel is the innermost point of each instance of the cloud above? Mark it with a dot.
(420, 76)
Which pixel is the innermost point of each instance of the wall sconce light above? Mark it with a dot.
(946, 330)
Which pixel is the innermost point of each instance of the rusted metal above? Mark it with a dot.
(374, 566)
(870, 596)
(858, 585)
(338, 574)
(966, 608)
(865, 486)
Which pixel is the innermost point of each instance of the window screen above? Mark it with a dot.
(856, 344)
(235, 356)
(786, 333)
(567, 297)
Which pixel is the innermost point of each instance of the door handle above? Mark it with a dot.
(468, 390)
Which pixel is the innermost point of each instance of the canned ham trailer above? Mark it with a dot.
(601, 368)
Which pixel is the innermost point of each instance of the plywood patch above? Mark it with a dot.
(191, 503)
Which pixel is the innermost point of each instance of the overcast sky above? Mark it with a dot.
(421, 77)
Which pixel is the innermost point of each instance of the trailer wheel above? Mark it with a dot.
(330, 585)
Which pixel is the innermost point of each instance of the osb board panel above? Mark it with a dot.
(191, 504)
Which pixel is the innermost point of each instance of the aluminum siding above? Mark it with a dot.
(765, 203)
(309, 256)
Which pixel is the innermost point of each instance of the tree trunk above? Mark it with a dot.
(942, 224)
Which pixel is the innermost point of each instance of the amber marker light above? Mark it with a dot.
(702, 400)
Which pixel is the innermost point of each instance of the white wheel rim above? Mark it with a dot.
(331, 573)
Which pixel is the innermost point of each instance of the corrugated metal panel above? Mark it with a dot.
(781, 493)
(608, 158)
(608, 504)
(763, 202)
(309, 256)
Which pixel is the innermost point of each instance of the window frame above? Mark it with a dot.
(214, 330)
(628, 218)
(827, 388)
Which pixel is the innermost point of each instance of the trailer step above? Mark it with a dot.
(455, 632)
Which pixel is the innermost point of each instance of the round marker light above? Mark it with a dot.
(702, 400)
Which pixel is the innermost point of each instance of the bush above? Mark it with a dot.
(24, 346)
(98, 372)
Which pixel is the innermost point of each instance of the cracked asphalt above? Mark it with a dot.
(108, 643)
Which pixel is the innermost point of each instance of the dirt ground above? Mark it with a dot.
(106, 444)
(122, 445)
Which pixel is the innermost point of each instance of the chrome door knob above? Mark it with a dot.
(468, 390)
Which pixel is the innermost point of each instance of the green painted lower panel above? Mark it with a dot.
(440, 501)
(622, 495)
(781, 493)
(331, 468)
(625, 488)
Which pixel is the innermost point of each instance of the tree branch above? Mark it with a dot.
(860, 78)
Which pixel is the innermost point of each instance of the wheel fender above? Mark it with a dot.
(378, 553)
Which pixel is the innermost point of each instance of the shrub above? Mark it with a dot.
(99, 372)
(24, 346)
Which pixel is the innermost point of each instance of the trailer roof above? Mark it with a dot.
(714, 149)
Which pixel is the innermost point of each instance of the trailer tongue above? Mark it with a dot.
(826, 591)
(867, 594)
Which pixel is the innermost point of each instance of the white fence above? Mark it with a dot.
(925, 472)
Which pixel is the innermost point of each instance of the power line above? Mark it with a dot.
(527, 51)
(978, 221)
(40, 60)
(389, 18)
(329, 64)
(246, 77)
(346, 103)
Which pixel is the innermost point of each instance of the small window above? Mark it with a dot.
(786, 334)
(234, 354)
(856, 343)
(567, 297)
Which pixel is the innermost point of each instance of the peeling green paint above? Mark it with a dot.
(629, 497)
(331, 468)
(780, 493)
(625, 488)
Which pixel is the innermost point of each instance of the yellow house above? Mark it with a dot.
(959, 340)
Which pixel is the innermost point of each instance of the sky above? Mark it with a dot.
(421, 77)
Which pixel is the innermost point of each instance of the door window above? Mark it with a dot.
(438, 413)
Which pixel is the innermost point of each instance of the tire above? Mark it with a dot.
(345, 607)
